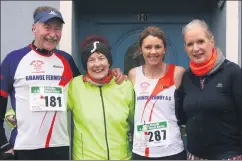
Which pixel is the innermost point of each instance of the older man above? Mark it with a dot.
(36, 78)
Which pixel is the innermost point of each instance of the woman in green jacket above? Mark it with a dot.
(102, 110)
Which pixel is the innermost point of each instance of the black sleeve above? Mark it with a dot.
(179, 111)
(236, 79)
(4, 145)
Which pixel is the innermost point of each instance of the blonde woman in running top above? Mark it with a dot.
(156, 132)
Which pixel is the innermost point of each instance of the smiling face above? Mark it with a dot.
(48, 35)
(153, 50)
(97, 66)
(198, 44)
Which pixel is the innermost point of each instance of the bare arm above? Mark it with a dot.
(132, 75)
(179, 71)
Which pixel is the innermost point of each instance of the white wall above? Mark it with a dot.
(66, 40)
(218, 27)
(239, 17)
(232, 31)
(226, 26)
(70, 41)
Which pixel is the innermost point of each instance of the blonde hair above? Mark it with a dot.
(200, 23)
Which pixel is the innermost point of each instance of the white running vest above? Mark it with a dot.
(28, 73)
(156, 133)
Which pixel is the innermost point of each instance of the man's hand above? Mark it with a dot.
(8, 155)
(12, 120)
(6, 152)
(119, 75)
(10, 151)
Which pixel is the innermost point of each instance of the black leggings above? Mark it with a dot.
(179, 156)
(53, 153)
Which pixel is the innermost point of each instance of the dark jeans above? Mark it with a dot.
(180, 156)
(6, 156)
(229, 155)
(53, 153)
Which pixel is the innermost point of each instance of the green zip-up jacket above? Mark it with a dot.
(103, 118)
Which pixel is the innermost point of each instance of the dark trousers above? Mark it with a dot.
(179, 156)
(53, 153)
(6, 156)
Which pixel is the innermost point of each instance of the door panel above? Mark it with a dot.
(122, 32)
(126, 37)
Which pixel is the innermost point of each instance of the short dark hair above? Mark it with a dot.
(153, 31)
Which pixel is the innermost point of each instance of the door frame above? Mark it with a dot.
(232, 28)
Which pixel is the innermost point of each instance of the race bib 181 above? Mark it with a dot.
(46, 98)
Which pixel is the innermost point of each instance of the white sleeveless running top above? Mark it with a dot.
(156, 133)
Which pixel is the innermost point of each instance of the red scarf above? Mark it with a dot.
(105, 80)
(204, 67)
